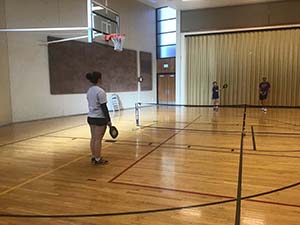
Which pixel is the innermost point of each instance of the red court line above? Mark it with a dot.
(273, 203)
(144, 156)
(205, 194)
(236, 151)
(174, 190)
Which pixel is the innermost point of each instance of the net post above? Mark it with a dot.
(137, 114)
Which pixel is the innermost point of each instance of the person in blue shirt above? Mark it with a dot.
(215, 95)
(264, 89)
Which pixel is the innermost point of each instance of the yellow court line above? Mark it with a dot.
(46, 173)
(39, 176)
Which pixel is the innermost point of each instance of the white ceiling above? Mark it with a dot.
(197, 4)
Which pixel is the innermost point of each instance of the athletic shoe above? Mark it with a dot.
(101, 161)
(93, 159)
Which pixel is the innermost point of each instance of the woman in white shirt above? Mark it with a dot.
(98, 116)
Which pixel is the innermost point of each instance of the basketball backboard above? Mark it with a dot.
(101, 20)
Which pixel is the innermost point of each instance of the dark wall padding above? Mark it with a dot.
(70, 61)
(146, 70)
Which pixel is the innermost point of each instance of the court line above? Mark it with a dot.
(279, 121)
(246, 198)
(195, 130)
(141, 158)
(274, 203)
(278, 133)
(155, 210)
(46, 173)
(223, 131)
(284, 122)
(253, 138)
(202, 123)
(51, 171)
(236, 151)
(249, 198)
(206, 148)
(143, 143)
(240, 173)
(154, 149)
(41, 175)
(68, 137)
(127, 142)
(172, 189)
(228, 132)
(40, 135)
(119, 213)
(139, 142)
(67, 128)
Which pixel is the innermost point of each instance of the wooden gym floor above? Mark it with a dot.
(181, 167)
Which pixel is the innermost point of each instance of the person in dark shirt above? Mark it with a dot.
(264, 89)
(215, 95)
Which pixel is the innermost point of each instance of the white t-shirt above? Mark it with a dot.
(96, 96)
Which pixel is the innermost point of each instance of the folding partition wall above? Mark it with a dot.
(241, 59)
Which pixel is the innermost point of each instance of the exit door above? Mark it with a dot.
(166, 89)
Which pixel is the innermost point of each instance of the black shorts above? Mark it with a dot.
(97, 121)
(263, 96)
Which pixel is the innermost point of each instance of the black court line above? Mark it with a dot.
(279, 121)
(270, 155)
(173, 190)
(144, 156)
(192, 147)
(40, 135)
(253, 138)
(67, 137)
(279, 151)
(200, 123)
(240, 173)
(193, 130)
(234, 151)
(194, 106)
(117, 141)
(265, 133)
(157, 210)
(225, 131)
(183, 146)
(272, 191)
(118, 213)
(285, 122)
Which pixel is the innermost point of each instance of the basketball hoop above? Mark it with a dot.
(117, 39)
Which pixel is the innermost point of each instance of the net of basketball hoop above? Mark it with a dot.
(117, 39)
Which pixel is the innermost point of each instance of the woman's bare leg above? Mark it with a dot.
(92, 141)
(98, 136)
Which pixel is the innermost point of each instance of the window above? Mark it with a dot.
(166, 39)
(166, 13)
(166, 26)
(166, 51)
(166, 32)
